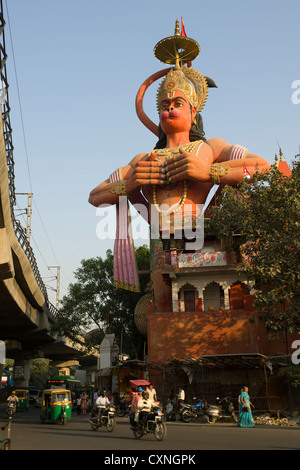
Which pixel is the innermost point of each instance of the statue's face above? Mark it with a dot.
(175, 113)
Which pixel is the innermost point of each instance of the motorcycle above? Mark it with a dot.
(223, 410)
(154, 424)
(194, 412)
(103, 417)
(172, 410)
(10, 408)
(123, 408)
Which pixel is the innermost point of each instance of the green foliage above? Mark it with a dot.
(260, 223)
(293, 375)
(40, 371)
(93, 302)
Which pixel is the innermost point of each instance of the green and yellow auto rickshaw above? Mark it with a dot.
(23, 403)
(56, 405)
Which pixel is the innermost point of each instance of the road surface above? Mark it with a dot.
(27, 433)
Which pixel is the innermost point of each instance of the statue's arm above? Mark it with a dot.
(215, 161)
(107, 192)
(235, 160)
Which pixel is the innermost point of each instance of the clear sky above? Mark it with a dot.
(78, 66)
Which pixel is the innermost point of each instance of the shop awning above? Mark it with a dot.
(105, 372)
(221, 361)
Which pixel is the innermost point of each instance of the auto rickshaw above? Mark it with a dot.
(56, 405)
(23, 396)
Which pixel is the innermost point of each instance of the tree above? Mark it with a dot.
(260, 223)
(292, 373)
(40, 371)
(93, 302)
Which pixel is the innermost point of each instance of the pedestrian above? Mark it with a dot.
(152, 392)
(95, 396)
(180, 397)
(84, 403)
(78, 404)
(245, 416)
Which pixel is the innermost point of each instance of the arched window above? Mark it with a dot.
(213, 296)
(188, 296)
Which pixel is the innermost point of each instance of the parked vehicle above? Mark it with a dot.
(194, 412)
(56, 405)
(123, 407)
(154, 424)
(33, 395)
(38, 401)
(23, 396)
(105, 417)
(223, 410)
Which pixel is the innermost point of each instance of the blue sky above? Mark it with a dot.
(78, 66)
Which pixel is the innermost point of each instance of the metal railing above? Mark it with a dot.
(7, 130)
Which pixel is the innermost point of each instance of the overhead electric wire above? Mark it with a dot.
(26, 152)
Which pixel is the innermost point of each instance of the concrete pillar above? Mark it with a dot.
(174, 296)
(21, 374)
(226, 298)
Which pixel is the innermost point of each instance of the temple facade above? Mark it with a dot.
(212, 340)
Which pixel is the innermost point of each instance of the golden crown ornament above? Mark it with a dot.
(179, 79)
(176, 50)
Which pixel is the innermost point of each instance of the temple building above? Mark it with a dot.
(212, 341)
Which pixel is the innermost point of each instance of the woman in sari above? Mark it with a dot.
(245, 417)
(84, 403)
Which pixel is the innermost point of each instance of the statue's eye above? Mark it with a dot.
(178, 104)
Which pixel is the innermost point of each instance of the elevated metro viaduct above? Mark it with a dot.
(26, 315)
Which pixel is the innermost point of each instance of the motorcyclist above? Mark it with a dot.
(144, 408)
(102, 402)
(13, 399)
(134, 412)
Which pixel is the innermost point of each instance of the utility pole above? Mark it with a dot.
(57, 284)
(28, 213)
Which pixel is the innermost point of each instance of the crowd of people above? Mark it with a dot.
(142, 400)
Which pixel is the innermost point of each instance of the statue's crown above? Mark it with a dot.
(190, 82)
(178, 50)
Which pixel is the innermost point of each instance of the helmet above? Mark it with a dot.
(140, 389)
(145, 394)
(102, 392)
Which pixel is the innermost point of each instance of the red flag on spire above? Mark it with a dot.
(183, 33)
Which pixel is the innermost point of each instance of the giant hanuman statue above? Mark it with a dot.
(172, 180)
